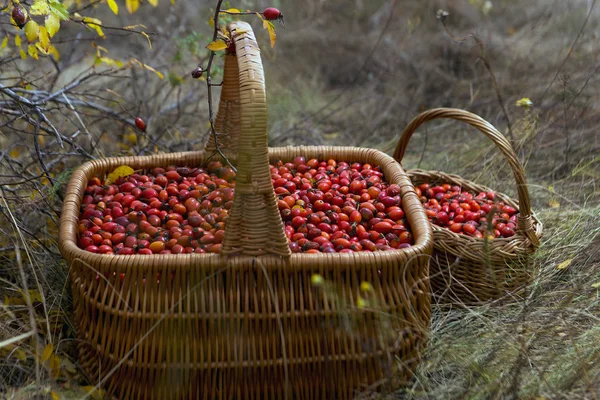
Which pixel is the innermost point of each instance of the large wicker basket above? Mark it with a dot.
(467, 269)
(248, 323)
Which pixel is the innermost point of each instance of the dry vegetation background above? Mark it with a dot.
(347, 73)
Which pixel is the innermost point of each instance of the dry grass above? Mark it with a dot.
(334, 78)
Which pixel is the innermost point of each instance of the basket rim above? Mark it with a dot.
(457, 179)
(423, 243)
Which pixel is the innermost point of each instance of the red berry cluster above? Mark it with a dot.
(327, 206)
(330, 206)
(172, 210)
(462, 212)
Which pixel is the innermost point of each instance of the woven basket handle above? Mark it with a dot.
(254, 226)
(525, 220)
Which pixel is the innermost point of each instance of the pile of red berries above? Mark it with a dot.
(330, 206)
(172, 210)
(462, 212)
(326, 206)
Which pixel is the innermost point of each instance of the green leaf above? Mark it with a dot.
(114, 7)
(57, 8)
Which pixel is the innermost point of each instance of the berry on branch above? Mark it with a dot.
(140, 124)
(19, 16)
(272, 14)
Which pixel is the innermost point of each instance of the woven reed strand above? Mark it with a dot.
(211, 325)
(467, 269)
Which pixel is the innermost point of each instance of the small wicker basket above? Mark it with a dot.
(248, 323)
(467, 269)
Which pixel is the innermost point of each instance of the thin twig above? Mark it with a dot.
(209, 87)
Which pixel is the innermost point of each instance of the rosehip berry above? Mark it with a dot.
(141, 125)
(197, 72)
(272, 14)
(18, 16)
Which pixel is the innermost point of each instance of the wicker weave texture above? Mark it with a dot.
(248, 323)
(467, 269)
(209, 325)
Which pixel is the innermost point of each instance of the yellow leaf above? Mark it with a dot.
(217, 45)
(40, 7)
(119, 172)
(44, 39)
(271, 30)
(36, 296)
(32, 30)
(148, 38)
(110, 61)
(131, 137)
(317, 280)
(132, 5)
(22, 54)
(41, 49)
(553, 203)
(564, 264)
(153, 2)
(4, 42)
(54, 395)
(18, 41)
(596, 285)
(20, 355)
(52, 50)
(361, 303)
(173, 2)
(149, 68)
(52, 24)
(233, 11)
(211, 22)
(54, 366)
(47, 352)
(68, 366)
(98, 394)
(32, 50)
(114, 7)
(525, 102)
(94, 23)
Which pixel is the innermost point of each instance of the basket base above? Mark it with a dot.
(325, 380)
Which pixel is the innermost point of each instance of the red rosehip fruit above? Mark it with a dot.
(272, 14)
(19, 16)
(141, 125)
